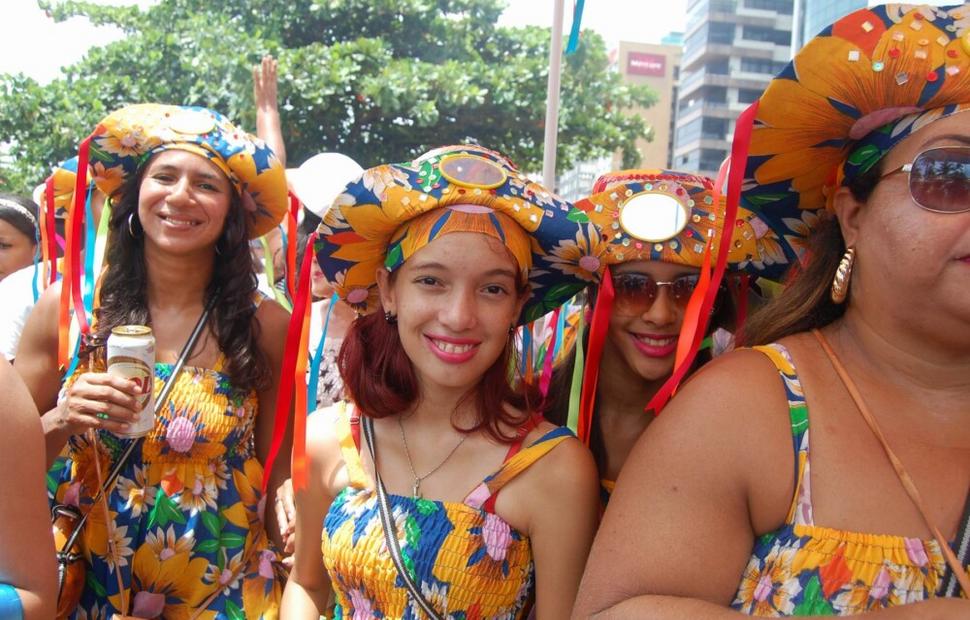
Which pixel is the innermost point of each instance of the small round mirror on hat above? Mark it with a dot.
(653, 217)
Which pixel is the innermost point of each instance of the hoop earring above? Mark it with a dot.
(390, 318)
(131, 228)
(840, 283)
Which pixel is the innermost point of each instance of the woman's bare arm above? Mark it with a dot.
(27, 548)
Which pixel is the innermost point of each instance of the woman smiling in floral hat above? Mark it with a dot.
(181, 532)
(825, 471)
(441, 491)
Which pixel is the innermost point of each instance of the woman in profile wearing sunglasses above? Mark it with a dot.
(654, 225)
(825, 471)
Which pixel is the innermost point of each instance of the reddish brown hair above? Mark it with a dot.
(380, 379)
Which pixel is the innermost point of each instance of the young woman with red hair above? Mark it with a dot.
(442, 258)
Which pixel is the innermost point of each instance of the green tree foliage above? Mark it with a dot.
(379, 80)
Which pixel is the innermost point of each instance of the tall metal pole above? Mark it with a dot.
(552, 99)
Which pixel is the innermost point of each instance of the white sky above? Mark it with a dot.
(37, 46)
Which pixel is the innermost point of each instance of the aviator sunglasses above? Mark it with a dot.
(634, 293)
(939, 179)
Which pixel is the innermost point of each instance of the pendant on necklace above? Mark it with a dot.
(416, 489)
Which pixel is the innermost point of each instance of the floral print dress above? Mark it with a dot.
(468, 562)
(803, 569)
(186, 526)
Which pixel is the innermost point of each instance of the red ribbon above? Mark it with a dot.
(74, 241)
(739, 159)
(291, 234)
(284, 397)
(50, 236)
(598, 327)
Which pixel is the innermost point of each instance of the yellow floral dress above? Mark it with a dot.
(186, 513)
(469, 563)
(803, 569)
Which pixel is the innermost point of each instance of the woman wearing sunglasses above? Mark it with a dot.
(440, 491)
(654, 225)
(825, 471)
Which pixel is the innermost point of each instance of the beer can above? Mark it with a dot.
(131, 354)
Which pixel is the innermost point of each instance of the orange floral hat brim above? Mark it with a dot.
(888, 69)
(754, 246)
(125, 139)
(393, 210)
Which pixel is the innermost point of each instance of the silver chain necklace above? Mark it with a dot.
(416, 488)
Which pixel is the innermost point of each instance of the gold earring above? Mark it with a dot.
(840, 283)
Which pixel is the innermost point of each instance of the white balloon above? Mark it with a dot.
(320, 179)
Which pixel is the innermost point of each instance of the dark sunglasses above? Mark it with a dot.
(939, 179)
(634, 293)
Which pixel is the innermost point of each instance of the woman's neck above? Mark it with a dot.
(902, 357)
(176, 281)
(620, 390)
(621, 395)
(438, 406)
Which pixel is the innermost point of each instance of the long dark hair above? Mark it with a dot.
(124, 301)
(805, 303)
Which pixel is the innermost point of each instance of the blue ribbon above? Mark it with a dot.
(10, 606)
(574, 32)
(526, 346)
(560, 329)
(90, 250)
(317, 360)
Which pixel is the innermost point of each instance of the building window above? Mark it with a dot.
(780, 6)
(757, 33)
(689, 132)
(721, 33)
(761, 65)
(748, 95)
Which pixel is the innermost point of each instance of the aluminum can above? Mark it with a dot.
(131, 354)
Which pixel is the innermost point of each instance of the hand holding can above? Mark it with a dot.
(131, 354)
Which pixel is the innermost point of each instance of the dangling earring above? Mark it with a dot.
(390, 318)
(131, 227)
(840, 283)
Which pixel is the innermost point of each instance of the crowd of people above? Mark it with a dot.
(438, 390)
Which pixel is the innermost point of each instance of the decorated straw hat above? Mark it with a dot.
(852, 93)
(393, 210)
(669, 216)
(125, 139)
(62, 180)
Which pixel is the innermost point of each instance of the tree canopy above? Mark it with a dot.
(378, 80)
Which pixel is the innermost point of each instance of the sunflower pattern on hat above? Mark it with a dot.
(850, 95)
(125, 139)
(367, 226)
(700, 217)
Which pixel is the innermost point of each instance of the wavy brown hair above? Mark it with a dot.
(805, 303)
(124, 301)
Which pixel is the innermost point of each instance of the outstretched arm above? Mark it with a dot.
(267, 108)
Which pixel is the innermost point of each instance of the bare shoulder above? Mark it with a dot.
(728, 428)
(323, 435)
(570, 457)
(565, 476)
(19, 413)
(273, 318)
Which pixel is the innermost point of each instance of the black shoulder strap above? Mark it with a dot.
(949, 586)
(390, 530)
